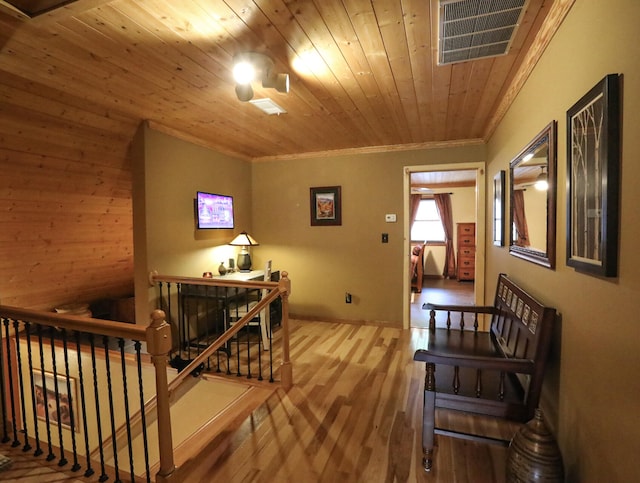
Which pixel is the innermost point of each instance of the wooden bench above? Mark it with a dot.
(497, 373)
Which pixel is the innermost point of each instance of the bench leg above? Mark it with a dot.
(428, 417)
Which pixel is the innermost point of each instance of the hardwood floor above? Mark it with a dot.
(353, 415)
(440, 291)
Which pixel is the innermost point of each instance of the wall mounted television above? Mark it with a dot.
(213, 211)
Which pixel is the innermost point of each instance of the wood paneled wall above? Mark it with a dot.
(66, 225)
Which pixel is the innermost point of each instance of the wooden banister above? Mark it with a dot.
(158, 338)
(214, 282)
(76, 322)
(158, 345)
(286, 370)
(281, 288)
(222, 340)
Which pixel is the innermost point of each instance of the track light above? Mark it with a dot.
(244, 92)
(279, 82)
(244, 72)
(251, 66)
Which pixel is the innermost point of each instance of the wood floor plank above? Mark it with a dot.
(353, 415)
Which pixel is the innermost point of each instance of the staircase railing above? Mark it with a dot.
(200, 311)
(67, 382)
(80, 390)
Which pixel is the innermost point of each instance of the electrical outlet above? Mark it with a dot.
(385, 238)
(347, 298)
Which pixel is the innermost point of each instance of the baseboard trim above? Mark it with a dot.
(378, 323)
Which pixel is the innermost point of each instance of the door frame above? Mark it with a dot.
(480, 220)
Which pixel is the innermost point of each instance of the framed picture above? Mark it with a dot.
(46, 403)
(326, 206)
(498, 209)
(593, 179)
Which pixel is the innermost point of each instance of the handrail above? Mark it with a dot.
(214, 282)
(222, 340)
(277, 289)
(75, 322)
(21, 319)
(157, 336)
(282, 289)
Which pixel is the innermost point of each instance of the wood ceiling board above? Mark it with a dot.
(378, 84)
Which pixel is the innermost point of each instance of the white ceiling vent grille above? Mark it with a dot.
(268, 106)
(473, 29)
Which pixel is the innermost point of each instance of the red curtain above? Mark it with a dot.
(519, 219)
(414, 202)
(443, 204)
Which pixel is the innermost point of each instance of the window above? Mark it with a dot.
(427, 225)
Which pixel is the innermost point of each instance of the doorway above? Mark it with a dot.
(467, 182)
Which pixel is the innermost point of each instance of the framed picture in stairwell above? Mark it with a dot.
(56, 409)
(326, 206)
(593, 179)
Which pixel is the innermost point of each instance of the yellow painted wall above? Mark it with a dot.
(324, 262)
(592, 390)
(167, 174)
(272, 204)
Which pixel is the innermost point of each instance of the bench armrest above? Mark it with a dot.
(470, 309)
(520, 366)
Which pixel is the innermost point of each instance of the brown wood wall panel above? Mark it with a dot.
(66, 224)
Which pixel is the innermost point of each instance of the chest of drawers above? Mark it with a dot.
(466, 251)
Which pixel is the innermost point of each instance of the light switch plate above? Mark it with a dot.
(390, 217)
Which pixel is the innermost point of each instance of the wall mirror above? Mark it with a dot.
(532, 189)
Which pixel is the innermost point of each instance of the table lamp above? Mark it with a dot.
(245, 241)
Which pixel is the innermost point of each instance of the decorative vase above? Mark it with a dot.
(533, 454)
(222, 269)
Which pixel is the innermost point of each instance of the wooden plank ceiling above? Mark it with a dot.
(363, 73)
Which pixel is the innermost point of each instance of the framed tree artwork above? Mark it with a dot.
(498, 208)
(326, 206)
(593, 179)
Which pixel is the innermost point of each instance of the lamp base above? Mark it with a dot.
(244, 262)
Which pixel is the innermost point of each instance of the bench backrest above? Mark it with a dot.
(522, 328)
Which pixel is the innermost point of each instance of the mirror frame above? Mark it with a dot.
(547, 258)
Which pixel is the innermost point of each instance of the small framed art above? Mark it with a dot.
(326, 206)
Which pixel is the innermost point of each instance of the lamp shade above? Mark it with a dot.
(244, 240)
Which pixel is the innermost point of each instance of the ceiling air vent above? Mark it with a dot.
(473, 29)
(268, 106)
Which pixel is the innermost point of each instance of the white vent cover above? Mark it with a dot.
(268, 106)
(473, 29)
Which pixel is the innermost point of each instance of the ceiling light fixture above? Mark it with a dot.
(541, 183)
(244, 72)
(251, 66)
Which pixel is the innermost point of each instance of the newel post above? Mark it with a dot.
(159, 346)
(286, 370)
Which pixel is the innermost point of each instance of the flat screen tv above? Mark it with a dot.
(214, 211)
